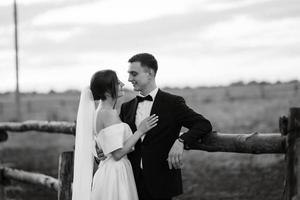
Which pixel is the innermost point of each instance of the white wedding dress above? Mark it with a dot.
(113, 179)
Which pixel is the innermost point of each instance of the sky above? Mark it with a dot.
(196, 42)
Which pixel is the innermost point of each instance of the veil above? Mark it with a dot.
(84, 147)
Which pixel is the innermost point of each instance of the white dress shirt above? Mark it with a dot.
(143, 110)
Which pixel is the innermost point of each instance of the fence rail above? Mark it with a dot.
(29, 177)
(286, 142)
(40, 126)
(255, 143)
(62, 184)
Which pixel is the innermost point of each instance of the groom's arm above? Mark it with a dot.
(197, 124)
(198, 127)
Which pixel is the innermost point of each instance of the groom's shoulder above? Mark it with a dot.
(169, 96)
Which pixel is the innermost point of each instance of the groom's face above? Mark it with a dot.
(139, 76)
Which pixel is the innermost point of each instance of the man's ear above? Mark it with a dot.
(152, 73)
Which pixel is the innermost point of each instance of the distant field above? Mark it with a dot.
(207, 176)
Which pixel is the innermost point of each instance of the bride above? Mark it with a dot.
(113, 179)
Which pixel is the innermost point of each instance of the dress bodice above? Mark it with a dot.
(114, 179)
(112, 137)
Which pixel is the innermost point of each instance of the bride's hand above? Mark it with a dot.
(148, 123)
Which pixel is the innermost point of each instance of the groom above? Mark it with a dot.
(157, 158)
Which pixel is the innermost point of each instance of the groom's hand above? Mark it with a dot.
(176, 155)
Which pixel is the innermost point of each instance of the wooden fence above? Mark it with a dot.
(286, 142)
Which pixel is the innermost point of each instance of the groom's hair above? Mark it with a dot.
(146, 60)
(102, 82)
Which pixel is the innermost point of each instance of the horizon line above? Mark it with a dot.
(232, 84)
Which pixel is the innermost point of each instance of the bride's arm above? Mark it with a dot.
(144, 126)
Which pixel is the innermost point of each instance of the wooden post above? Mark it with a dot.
(3, 136)
(292, 184)
(17, 94)
(65, 175)
(2, 184)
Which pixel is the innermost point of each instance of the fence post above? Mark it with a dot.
(3, 136)
(65, 175)
(292, 188)
(2, 184)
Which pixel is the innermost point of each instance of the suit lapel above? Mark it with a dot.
(156, 105)
(156, 109)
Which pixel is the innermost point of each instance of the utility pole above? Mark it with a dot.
(17, 93)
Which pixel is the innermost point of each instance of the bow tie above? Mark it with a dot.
(146, 98)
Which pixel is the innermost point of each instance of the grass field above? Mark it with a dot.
(207, 176)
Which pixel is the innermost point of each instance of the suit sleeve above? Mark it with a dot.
(198, 125)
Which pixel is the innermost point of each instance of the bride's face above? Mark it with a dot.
(120, 88)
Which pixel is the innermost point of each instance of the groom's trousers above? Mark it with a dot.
(143, 192)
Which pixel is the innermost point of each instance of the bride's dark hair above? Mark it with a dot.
(102, 82)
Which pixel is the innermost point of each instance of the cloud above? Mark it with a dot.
(30, 9)
(222, 5)
(203, 42)
(61, 35)
(29, 2)
(115, 12)
(270, 10)
(154, 33)
(49, 35)
(243, 32)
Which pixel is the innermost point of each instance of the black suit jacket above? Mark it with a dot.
(161, 182)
